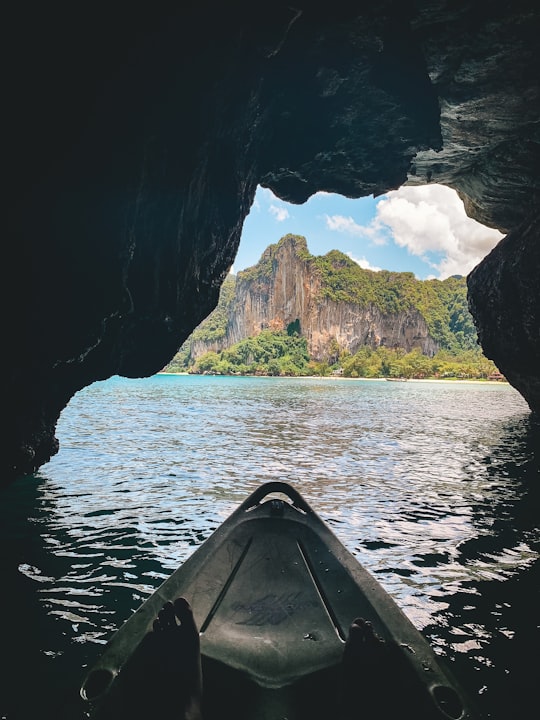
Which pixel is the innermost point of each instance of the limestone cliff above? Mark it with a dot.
(289, 285)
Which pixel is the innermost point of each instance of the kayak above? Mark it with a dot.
(274, 593)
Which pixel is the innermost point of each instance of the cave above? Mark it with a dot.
(136, 137)
(136, 140)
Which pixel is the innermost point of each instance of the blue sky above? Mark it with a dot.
(424, 230)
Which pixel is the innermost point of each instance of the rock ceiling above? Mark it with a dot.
(136, 140)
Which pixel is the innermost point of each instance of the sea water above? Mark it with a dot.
(433, 486)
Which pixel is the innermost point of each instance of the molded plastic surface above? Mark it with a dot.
(274, 593)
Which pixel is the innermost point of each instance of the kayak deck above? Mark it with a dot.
(274, 593)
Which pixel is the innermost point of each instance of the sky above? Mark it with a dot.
(423, 230)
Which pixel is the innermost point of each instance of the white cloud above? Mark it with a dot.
(273, 204)
(432, 219)
(279, 212)
(431, 223)
(373, 232)
(364, 263)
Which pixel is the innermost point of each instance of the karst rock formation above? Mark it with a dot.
(284, 289)
(137, 134)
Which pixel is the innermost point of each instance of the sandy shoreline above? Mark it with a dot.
(471, 381)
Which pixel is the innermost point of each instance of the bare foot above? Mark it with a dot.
(163, 677)
(363, 643)
(366, 669)
(177, 660)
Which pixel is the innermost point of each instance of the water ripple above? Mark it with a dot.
(427, 484)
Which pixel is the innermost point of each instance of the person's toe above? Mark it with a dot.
(166, 615)
(356, 634)
(184, 613)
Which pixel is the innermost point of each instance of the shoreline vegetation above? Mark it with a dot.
(480, 381)
(283, 354)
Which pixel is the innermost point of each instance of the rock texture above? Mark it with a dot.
(503, 295)
(136, 138)
(290, 292)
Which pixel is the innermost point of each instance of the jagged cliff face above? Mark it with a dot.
(137, 137)
(290, 290)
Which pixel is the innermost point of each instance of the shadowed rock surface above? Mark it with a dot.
(136, 140)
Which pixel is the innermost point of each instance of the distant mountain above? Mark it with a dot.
(334, 303)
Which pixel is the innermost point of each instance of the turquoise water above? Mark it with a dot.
(433, 486)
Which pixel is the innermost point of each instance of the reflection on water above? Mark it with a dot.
(434, 487)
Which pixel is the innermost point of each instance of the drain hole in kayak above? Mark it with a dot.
(448, 701)
(97, 683)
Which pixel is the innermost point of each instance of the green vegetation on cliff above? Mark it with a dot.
(442, 303)
(263, 270)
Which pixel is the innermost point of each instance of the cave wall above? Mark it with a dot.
(136, 139)
(503, 292)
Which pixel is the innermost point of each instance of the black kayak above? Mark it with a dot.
(274, 593)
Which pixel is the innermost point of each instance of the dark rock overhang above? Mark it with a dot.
(137, 138)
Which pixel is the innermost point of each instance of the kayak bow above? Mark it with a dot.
(274, 593)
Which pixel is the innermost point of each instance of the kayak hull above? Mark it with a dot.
(274, 593)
